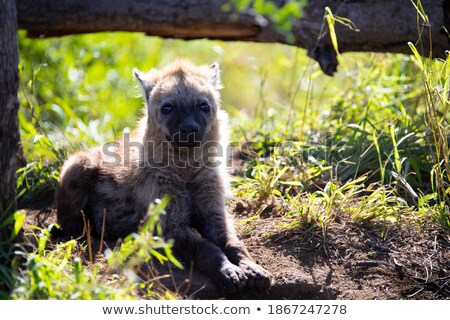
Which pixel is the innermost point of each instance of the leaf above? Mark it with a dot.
(161, 258)
(418, 57)
(398, 163)
(37, 137)
(274, 181)
(292, 183)
(330, 20)
(380, 161)
(420, 11)
(19, 219)
(168, 252)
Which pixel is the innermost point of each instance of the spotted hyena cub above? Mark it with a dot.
(177, 151)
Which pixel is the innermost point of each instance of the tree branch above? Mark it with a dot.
(384, 25)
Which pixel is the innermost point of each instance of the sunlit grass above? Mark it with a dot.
(63, 271)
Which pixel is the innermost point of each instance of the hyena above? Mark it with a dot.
(177, 149)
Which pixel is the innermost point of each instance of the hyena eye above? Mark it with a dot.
(166, 109)
(205, 107)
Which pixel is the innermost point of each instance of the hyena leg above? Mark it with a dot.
(257, 276)
(224, 236)
(76, 183)
(208, 259)
(189, 246)
(216, 225)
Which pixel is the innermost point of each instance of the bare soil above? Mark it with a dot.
(349, 260)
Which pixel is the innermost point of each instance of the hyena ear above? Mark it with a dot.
(146, 80)
(215, 75)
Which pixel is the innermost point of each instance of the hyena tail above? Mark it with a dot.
(75, 187)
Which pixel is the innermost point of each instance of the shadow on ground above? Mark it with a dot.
(351, 260)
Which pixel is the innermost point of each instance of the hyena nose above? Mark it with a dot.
(188, 128)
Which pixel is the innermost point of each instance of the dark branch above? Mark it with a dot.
(384, 25)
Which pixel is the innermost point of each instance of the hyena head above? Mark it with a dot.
(182, 101)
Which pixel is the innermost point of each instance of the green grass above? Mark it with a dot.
(71, 270)
(369, 144)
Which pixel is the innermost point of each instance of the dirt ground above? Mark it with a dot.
(350, 260)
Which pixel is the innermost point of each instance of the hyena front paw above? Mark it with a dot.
(230, 279)
(257, 276)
